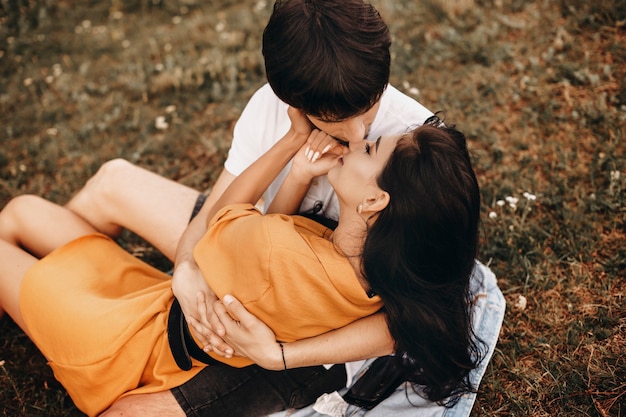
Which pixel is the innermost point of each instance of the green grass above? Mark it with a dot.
(538, 86)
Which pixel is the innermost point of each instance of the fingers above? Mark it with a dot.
(209, 330)
(250, 337)
(209, 340)
(199, 322)
(318, 144)
(237, 310)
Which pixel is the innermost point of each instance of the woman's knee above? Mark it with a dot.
(18, 211)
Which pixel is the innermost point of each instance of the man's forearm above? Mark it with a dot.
(365, 338)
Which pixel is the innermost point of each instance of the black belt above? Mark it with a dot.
(182, 345)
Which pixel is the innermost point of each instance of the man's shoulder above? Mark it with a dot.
(397, 99)
(264, 106)
(266, 95)
(398, 112)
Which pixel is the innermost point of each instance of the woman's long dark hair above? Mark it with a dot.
(419, 255)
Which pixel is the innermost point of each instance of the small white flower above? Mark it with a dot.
(493, 214)
(500, 203)
(57, 70)
(27, 82)
(170, 109)
(530, 197)
(520, 303)
(260, 5)
(160, 123)
(511, 200)
(615, 175)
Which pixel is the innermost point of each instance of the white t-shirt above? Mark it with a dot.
(265, 120)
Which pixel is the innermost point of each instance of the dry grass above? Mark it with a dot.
(538, 86)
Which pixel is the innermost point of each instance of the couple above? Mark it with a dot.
(405, 242)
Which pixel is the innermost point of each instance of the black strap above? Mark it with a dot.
(182, 344)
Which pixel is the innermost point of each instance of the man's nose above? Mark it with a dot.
(354, 129)
(355, 145)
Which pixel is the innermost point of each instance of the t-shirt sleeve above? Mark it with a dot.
(259, 126)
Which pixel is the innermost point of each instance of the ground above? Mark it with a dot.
(538, 87)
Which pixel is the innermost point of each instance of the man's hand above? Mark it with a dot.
(196, 300)
(300, 124)
(249, 336)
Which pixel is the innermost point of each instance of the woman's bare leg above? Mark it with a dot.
(14, 262)
(30, 228)
(40, 226)
(124, 196)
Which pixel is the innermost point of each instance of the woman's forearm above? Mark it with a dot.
(290, 195)
(250, 185)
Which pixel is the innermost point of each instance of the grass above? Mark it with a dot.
(537, 85)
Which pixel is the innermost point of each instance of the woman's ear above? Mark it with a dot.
(376, 203)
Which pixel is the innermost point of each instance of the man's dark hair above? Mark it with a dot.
(329, 58)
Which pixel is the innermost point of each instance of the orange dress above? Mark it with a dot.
(99, 314)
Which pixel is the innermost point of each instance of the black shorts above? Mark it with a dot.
(221, 390)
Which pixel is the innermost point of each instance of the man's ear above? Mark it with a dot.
(377, 202)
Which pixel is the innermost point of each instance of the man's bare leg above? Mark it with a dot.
(158, 404)
(124, 196)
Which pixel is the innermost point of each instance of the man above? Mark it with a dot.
(330, 60)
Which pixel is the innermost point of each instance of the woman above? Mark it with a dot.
(407, 236)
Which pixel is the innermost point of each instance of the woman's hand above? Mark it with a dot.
(309, 163)
(318, 144)
(249, 336)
